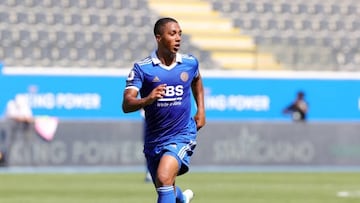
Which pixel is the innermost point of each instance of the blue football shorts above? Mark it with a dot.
(181, 151)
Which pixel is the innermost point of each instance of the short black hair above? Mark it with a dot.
(160, 24)
(301, 93)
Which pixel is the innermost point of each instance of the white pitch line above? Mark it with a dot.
(349, 194)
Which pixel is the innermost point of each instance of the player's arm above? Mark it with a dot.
(198, 92)
(132, 103)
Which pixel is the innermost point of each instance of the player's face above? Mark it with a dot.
(170, 38)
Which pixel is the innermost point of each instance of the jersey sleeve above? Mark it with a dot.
(196, 66)
(135, 78)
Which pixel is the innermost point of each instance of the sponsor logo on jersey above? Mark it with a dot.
(156, 79)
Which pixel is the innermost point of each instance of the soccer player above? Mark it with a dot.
(165, 80)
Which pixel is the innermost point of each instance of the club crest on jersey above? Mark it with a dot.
(184, 76)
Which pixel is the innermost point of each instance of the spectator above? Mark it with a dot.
(19, 117)
(19, 111)
(298, 108)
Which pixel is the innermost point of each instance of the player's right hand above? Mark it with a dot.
(157, 93)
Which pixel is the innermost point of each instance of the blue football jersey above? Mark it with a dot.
(170, 116)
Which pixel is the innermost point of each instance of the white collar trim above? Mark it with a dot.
(157, 61)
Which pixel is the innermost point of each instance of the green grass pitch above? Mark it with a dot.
(317, 187)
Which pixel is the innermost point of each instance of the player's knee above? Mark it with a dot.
(164, 179)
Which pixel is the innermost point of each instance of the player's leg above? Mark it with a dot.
(173, 161)
(165, 179)
(183, 197)
(148, 177)
(187, 195)
(182, 152)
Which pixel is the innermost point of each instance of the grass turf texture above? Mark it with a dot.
(208, 187)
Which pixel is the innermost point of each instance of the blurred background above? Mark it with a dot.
(70, 59)
(244, 34)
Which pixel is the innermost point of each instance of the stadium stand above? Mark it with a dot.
(86, 33)
(240, 34)
(303, 34)
(214, 33)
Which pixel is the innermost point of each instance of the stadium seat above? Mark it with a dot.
(325, 21)
(105, 32)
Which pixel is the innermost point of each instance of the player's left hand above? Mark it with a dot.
(200, 120)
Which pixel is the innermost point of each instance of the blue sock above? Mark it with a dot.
(166, 194)
(179, 195)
